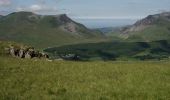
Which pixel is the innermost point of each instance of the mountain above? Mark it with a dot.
(152, 28)
(44, 30)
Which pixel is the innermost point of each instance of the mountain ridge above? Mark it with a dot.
(37, 30)
(151, 28)
(148, 21)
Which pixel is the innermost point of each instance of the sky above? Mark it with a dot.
(92, 9)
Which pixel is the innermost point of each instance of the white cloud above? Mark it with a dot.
(5, 2)
(39, 6)
(35, 8)
(30, 8)
(38, 9)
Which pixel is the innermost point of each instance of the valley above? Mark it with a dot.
(111, 51)
(122, 63)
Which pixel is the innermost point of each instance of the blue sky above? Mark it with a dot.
(89, 9)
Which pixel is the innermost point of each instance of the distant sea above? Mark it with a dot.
(102, 23)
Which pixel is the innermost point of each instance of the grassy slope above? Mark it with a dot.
(160, 30)
(152, 33)
(34, 80)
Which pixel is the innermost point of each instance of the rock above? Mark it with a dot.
(13, 51)
(21, 53)
(28, 55)
(45, 55)
(37, 54)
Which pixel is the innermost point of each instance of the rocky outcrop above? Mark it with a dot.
(25, 52)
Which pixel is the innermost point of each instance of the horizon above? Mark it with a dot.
(97, 22)
(94, 23)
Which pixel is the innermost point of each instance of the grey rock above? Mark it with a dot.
(21, 53)
(28, 55)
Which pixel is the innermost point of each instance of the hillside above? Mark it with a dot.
(152, 28)
(158, 50)
(44, 30)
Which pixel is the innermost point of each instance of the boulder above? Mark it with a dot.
(44, 55)
(22, 53)
(28, 55)
(13, 51)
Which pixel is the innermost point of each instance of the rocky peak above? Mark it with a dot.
(151, 19)
(64, 18)
(147, 21)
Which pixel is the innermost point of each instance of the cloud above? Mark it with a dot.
(42, 7)
(30, 8)
(5, 2)
(38, 9)
(35, 8)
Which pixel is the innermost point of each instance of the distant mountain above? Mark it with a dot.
(44, 30)
(158, 19)
(152, 28)
(106, 30)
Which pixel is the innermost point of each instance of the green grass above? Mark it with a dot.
(61, 80)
